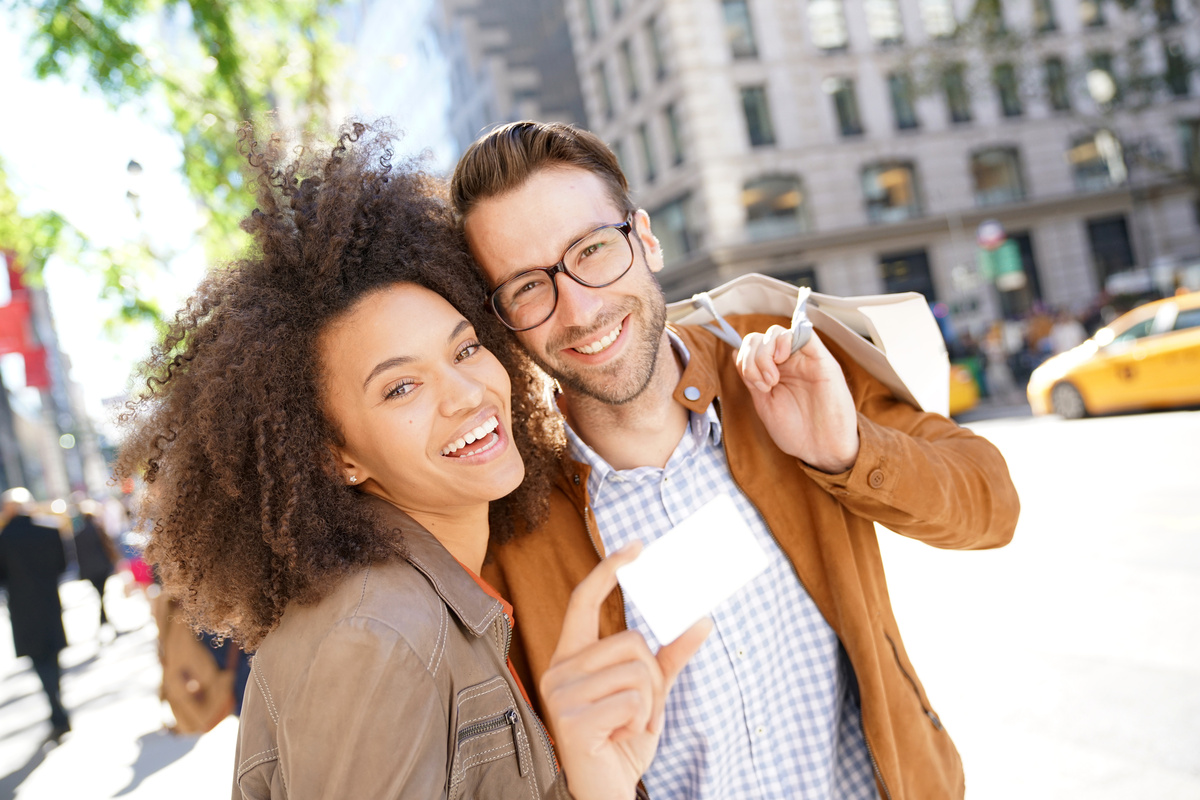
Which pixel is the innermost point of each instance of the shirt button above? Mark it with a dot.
(741, 652)
(692, 393)
(876, 479)
(760, 730)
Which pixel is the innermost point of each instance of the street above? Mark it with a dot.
(1066, 665)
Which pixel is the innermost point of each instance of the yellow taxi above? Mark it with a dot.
(964, 392)
(1148, 358)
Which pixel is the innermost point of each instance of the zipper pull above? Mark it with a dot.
(523, 755)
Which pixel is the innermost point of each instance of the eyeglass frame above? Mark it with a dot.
(626, 228)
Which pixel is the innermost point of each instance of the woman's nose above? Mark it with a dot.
(462, 391)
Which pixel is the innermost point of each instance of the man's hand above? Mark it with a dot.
(605, 699)
(802, 398)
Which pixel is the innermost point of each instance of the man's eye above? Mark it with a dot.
(591, 249)
(525, 288)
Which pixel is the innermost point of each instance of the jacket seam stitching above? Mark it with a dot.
(442, 637)
(363, 593)
(441, 590)
(249, 763)
(261, 682)
(476, 760)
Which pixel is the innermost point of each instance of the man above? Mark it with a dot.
(804, 689)
(31, 559)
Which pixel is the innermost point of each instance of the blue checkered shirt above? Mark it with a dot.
(768, 708)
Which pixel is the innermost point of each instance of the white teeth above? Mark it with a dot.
(472, 436)
(602, 344)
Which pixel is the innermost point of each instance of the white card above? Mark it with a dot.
(693, 568)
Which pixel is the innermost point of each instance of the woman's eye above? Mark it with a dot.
(400, 390)
(468, 351)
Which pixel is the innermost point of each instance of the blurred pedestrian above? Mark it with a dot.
(95, 552)
(1067, 333)
(31, 559)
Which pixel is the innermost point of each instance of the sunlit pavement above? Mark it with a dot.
(1066, 665)
(118, 746)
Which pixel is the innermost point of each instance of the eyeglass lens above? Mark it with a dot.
(597, 260)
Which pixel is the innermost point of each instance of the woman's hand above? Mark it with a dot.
(605, 699)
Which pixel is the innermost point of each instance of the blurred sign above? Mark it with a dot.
(1003, 266)
(990, 234)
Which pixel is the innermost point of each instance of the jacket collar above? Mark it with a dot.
(699, 385)
(469, 602)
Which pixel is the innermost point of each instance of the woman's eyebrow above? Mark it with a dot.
(399, 361)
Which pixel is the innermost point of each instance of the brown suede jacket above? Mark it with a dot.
(919, 474)
(394, 685)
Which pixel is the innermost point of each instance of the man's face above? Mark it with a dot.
(602, 343)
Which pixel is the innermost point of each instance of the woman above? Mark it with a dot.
(322, 434)
(95, 552)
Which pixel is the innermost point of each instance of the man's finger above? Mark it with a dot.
(673, 657)
(581, 624)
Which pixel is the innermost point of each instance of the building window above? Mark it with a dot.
(758, 116)
(1112, 250)
(673, 228)
(738, 31)
(1056, 85)
(1097, 162)
(990, 16)
(618, 148)
(602, 90)
(1165, 11)
(674, 133)
(890, 191)
(907, 272)
(900, 87)
(845, 103)
(774, 207)
(648, 160)
(1102, 80)
(938, 18)
(1189, 139)
(804, 276)
(657, 52)
(827, 24)
(997, 175)
(1005, 78)
(1043, 16)
(1178, 70)
(1091, 13)
(589, 10)
(628, 70)
(884, 25)
(958, 100)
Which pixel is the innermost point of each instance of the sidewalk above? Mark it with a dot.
(118, 746)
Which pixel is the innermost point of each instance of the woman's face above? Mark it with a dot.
(424, 409)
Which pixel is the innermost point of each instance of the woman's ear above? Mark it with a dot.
(353, 473)
(649, 242)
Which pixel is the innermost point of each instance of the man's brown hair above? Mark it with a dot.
(504, 158)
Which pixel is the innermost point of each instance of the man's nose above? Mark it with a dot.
(578, 305)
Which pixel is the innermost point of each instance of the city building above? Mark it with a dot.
(859, 146)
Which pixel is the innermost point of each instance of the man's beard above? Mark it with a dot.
(643, 357)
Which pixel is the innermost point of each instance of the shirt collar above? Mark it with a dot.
(703, 425)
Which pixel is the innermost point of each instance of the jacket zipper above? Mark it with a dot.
(541, 727)
(508, 719)
(929, 712)
(870, 751)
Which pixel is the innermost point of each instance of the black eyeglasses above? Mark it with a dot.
(601, 258)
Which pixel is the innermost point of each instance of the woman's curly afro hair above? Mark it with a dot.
(245, 504)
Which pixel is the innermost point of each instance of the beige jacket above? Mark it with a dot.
(395, 685)
(919, 474)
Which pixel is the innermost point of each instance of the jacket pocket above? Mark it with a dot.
(492, 757)
(929, 712)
